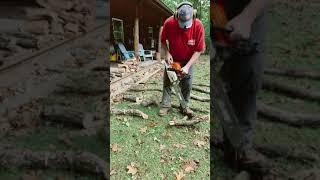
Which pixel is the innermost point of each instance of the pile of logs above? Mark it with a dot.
(51, 20)
(61, 17)
(119, 71)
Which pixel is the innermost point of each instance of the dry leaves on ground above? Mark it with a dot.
(143, 130)
(115, 147)
(198, 143)
(179, 175)
(132, 169)
(112, 172)
(179, 146)
(190, 165)
(162, 146)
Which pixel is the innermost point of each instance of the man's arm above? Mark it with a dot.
(193, 59)
(241, 24)
(168, 56)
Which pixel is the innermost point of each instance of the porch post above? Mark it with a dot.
(159, 45)
(136, 34)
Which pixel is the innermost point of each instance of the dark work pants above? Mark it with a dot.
(242, 76)
(185, 85)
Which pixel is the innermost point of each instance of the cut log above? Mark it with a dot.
(184, 122)
(273, 151)
(294, 119)
(63, 160)
(131, 98)
(200, 90)
(40, 27)
(192, 108)
(40, 14)
(72, 27)
(56, 5)
(149, 102)
(289, 153)
(28, 43)
(148, 76)
(291, 90)
(4, 42)
(201, 84)
(298, 73)
(130, 112)
(68, 116)
(199, 98)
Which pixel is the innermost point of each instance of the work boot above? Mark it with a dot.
(253, 161)
(164, 111)
(187, 112)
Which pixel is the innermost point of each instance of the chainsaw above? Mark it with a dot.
(175, 75)
(225, 47)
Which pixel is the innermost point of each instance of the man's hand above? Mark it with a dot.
(169, 58)
(240, 27)
(185, 69)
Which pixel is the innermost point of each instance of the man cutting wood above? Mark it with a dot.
(182, 39)
(242, 73)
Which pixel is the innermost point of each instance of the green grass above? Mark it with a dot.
(144, 148)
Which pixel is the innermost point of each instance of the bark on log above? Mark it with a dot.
(28, 43)
(130, 112)
(131, 98)
(291, 90)
(185, 122)
(199, 98)
(63, 160)
(68, 116)
(273, 151)
(201, 84)
(294, 119)
(200, 90)
(192, 108)
(299, 73)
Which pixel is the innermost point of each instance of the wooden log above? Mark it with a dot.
(192, 108)
(184, 122)
(4, 42)
(28, 43)
(294, 119)
(201, 84)
(273, 151)
(40, 14)
(199, 98)
(200, 90)
(131, 98)
(298, 73)
(130, 112)
(39, 27)
(62, 160)
(68, 116)
(291, 90)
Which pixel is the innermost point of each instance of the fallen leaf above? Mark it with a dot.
(179, 145)
(143, 130)
(189, 166)
(112, 172)
(179, 175)
(115, 147)
(163, 159)
(132, 169)
(199, 143)
(162, 146)
(152, 124)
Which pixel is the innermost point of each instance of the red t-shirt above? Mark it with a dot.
(183, 42)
